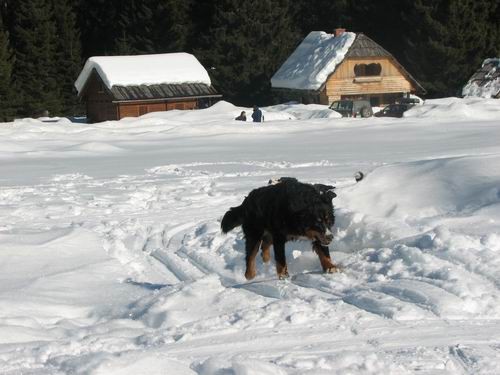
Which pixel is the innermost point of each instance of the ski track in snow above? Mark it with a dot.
(417, 294)
(185, 249)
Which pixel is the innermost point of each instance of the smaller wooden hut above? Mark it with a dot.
(114, 87)
(485, 82)
(344, 65)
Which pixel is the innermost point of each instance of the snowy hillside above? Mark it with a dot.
(112, 260)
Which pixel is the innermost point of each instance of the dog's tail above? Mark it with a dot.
(358, 176)
(232, 219)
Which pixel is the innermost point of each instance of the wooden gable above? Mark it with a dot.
(98, 100)
(368, 71)
(347, 82)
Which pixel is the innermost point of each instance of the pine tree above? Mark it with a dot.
(7, 109)
(173, 26)
(68, 53)
(245, 45)
(97, 22)
(449, 40)
(155, 26)
(136, 22)
(323, 15)
(33, 40)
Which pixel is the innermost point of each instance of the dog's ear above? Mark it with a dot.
(330, 194)
(326, 191)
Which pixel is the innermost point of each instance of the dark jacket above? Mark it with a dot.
(257, 115)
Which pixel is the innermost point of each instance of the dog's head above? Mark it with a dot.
(320, 223)
(326, 191)
(314, 213)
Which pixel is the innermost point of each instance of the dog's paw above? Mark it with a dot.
(284, 276)
(250, 274)
(333, 269)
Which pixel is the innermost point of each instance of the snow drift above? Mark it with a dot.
(112, 260)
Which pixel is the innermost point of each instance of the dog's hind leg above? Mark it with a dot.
(324, 257)
(280, 258)
(252, 248)
(265, 247)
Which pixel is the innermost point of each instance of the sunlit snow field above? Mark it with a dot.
(112, 260)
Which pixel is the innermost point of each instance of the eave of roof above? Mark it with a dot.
(163, 91)
(158, 92)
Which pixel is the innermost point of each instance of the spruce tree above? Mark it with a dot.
(99, 26)
(323, 15)
(245, 45)
(7, 110)
(156, 26)
(448, 41)
(68, 53)
(173, 26)
(33, 40)
(135, 23)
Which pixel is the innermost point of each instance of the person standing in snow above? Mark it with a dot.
(242, 116)
(257, 115)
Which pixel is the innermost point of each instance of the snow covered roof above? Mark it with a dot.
(169, 68)
(319, 54)
(309, 66)
(485, 82)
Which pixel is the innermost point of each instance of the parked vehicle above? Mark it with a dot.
(394, 110)
(411, 100)
(352, 108)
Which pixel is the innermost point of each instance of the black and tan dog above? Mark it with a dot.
(285, 210)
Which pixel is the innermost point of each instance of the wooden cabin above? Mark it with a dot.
(114, 87)
(344, 65)
(485, 82)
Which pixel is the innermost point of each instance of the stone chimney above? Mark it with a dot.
(339, 32)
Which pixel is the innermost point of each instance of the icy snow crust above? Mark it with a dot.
(174, 68)
(112, 260)
(309, 66)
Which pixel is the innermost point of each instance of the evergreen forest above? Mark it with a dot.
(44, 43)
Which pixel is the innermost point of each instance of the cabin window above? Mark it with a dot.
(367, 70)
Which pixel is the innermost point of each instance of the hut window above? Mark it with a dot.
(367, 70)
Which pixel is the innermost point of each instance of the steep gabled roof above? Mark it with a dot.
(168, 68)
(319, 55)
(309, 66)
(366, 47)
(485, 82)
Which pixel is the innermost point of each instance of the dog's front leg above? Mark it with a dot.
(324, 257)
(280, 258)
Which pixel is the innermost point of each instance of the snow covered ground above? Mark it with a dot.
(112, 260)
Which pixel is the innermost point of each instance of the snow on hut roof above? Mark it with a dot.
(309, 66)
(171, 68)
(485, 82)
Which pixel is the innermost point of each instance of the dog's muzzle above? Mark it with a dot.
(326, 238)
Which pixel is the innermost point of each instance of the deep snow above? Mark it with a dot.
(112, 260)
